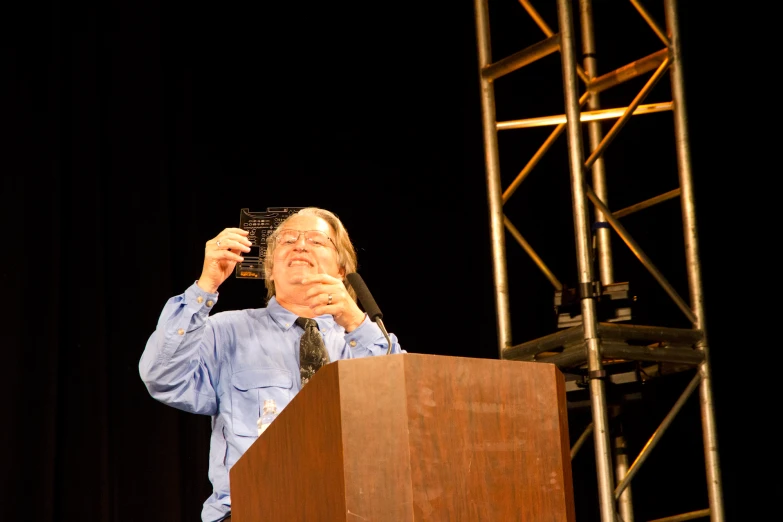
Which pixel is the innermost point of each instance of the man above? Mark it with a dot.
(228, 364)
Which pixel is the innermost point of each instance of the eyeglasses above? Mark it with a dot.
(313, 237)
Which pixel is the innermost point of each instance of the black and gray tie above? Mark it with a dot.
(312, 351)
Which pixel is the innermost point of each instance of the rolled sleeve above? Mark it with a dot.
(368, 340)
(183, 315)
(180, 360)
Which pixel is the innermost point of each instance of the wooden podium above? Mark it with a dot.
(413, 437)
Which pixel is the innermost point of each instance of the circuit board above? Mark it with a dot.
(259, 225)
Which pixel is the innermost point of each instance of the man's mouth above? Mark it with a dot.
(298, 261)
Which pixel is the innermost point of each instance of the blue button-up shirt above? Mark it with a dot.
(228, 364)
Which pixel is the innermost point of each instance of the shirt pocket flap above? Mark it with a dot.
(245, 380)
(249, 389)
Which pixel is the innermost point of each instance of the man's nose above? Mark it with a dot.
(301, 243)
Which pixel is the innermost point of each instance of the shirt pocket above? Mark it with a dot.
(249, 389)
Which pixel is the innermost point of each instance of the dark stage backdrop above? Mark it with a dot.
(133, 132)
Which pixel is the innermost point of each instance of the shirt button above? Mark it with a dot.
(353, 344)
(181, 331)
(199, 299)
(210, 303)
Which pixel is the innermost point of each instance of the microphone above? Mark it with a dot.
(369, 304)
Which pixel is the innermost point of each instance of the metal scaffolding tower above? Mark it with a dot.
(594, 353)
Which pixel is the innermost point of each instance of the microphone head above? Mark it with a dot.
(364, 295)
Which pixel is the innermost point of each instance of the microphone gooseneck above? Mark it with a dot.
(369, 304)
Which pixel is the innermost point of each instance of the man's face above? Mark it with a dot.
(294, 261)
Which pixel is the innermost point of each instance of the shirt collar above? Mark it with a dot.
(285, 319)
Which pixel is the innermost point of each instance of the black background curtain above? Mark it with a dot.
(133, 132)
